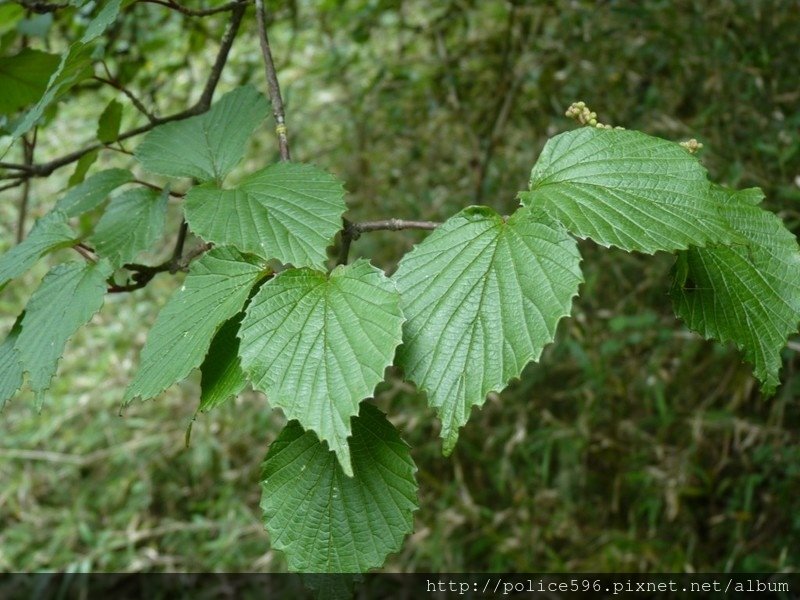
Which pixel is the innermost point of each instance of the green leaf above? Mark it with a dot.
(746, 293)
(11, 370)
(133, 221)
(24, 77)
(89, 194)
(317, 345)
(627, 189)
(208, 146)
(327, 522)
(109, 122)
(482, 297)
(105, 17)
(288, 211)
(214, 291)
(75, 66)
(222, 375)
(50, 233)
(69, 295)
(82, 167)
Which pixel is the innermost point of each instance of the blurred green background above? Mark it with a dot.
(633, 445)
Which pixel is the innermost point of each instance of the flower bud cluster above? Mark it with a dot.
(692, 145)
(585, 116)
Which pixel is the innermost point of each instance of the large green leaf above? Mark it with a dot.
(287, 211)
(208, 146)
(11, 370)
(747, 293)
(49, 233)
(327, 522)
(627, 189)
(130, 224)
(24, 77)
(483, 296)
(75, 66)
(90, 193)
(214, 290)
(67, 298)
(317, 345)
(221, 372)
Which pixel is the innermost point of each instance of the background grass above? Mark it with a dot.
(632, 445)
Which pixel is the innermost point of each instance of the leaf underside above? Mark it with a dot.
(287, 211)
(11, 369)
(50, 233)
(69, 295)
(317, 345)
(131, 223)
(747, 293)
(214, 290)
(482, 297)
(222, 375)
(89, 194)
(327, 522)
(626, 189)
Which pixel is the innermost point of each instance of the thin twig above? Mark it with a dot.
(85, 252)
(272, 83)
(15, 167)
(142, 274)
(158, 188)
(178, 251)
(28, 147)
(393, 225)
(118, 86)
(352, 231)
(191, 12)
(120, 148)
(20, 181)
(347, 241)
(202, 105)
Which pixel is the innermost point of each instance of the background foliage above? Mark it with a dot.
(633, 445)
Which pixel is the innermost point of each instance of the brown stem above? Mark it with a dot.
(16, 183)
(143, 274)
(85, 252)
(28, 149)
(134, 100)
(352, 231)
(158, 188)
(272, 83)
(15, 167)
(178, 251)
